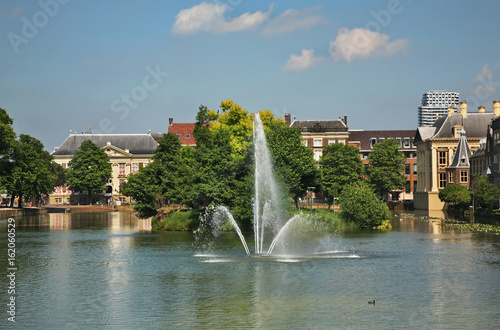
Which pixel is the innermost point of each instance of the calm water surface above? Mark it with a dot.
(91, 271)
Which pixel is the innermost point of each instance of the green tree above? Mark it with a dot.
(7, 138)
(32, 172)
(340, 166)
(89, 169)
(360, 205)
(484, 192)
(294, 162)
(456, 195)
(145, 189)
(386, 167)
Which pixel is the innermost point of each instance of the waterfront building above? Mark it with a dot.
(435, 104)
(184, 132)
(317, 134)
(436, 146)
(127, 153)
(365, 140)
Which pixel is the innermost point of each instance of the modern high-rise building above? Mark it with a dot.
(435, 104)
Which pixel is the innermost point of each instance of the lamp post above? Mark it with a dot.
(311, 189)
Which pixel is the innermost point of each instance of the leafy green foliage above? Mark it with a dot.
(340, 166)
(7, 138)
(456, 195)
(484, 192)
(294, 163)
(386, 167)
(360, 205)
(160, 183)
(90, 169)
(31, 172)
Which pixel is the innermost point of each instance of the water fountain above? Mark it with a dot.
(268, 210)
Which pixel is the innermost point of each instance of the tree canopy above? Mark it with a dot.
(31, 171)
(360, 205)
(89, 169)
(484, 192)
(456, 195)
(293, 161)
(340, 166)
(386, 167)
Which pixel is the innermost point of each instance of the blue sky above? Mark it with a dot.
(123, 66)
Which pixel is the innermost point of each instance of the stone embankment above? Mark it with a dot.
(6, 213)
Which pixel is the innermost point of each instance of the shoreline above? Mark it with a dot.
(6, 213)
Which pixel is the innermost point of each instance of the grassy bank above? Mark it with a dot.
(184, 220)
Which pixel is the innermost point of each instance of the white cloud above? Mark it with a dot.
(302, 62)
(210, 17)
(362, 43)
(293, 19)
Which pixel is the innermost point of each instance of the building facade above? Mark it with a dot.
(317, 134)
(436, 147)
(435, 104)
(127, 153)
(365, 140)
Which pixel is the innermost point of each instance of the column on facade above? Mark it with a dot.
(433, 168)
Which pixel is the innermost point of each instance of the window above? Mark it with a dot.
(317, 155)
(373, 141)
(406, 142)
(135, 168)
(304, 142)
(407, 169)
(414, 168)
(464, 176)
(342, 141)
(188, 136)
(122, 169)
(407, 187)
(398, 140)
(380, 140)
(330, 142)
(317, 143)
(442, 180)
(178, 136)
(442, 158)
(450, 178)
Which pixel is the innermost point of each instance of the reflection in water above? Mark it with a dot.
(98, 270)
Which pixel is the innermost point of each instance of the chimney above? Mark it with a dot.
(170, 121)
(451, 110)
(463, 109)
(345, 120)
(288, 119)
(480, 109)
(496, 108)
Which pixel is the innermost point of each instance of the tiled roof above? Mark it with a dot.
(362, 138)
(320, 126)
(184, 132)
(137, 144)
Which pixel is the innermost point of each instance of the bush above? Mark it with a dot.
(360, 205)
(456, 195)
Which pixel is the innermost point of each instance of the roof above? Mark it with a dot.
(424, 133)
(138, 144)
(475, 125)
(364, 137)
(461, 156)
(184, 132)
(320, 126)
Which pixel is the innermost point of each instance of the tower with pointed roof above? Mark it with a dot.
(458, 171)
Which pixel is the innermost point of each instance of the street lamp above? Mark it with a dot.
(311, 189)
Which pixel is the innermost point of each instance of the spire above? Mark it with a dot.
(461, 157)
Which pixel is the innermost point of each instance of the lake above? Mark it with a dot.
(100, 270)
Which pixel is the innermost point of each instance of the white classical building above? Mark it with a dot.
(435, 104)
(128, 153)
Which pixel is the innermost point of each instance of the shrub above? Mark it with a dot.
(360, 205)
